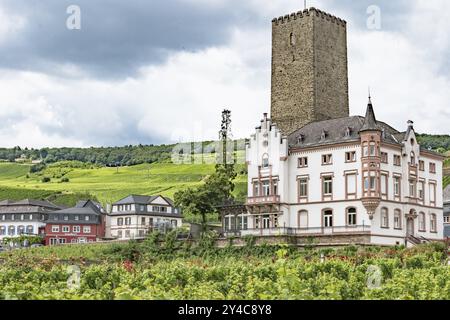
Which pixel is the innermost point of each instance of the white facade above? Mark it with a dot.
(331, 200)
(134, 216)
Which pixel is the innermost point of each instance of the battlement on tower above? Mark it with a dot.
(309, 69)
(307, 13)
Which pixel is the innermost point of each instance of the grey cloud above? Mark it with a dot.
(117, 37)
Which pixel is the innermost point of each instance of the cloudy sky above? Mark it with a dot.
(156, 71)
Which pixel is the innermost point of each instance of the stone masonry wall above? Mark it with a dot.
(309, 69)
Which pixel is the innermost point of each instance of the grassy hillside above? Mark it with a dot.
(105, 184)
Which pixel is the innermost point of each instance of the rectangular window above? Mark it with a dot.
(384, 157)
(86, 229)
(65, 229)
(266, 188)
(432, 167)
(256, 189)
(384, 180)
(421, 165)
(327, 159)
(143, 221)
(420, 190)
(303, 188)
(77, 218)
(350, 156)
(432, 193)
(412, 189)
(303, 162)
(447, 219)
(397, 186)
(55, 228)
(327, 186)
(372, 149)
(119, 234)
(76, 229)
(120, 221)
(397, 160)
(128, 221)
(127, 234)
(433, 224)
(66, 218)
(351, 183)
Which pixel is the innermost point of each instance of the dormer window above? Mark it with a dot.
(265, 161)
(348, 132)
(300, 139)
(323, 136)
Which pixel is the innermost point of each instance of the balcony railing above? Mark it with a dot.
(263, 200)
(283, 231)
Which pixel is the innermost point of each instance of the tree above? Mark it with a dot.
(218, 187)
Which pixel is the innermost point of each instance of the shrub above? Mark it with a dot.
(46, 179)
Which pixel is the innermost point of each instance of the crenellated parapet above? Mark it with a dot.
(307, 13)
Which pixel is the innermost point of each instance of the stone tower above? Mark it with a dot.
(309, 69)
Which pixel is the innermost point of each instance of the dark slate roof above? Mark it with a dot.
(137, 199)
(82, 207)
(37, 203)
(30, 202)
(370, 122)
(6, 202)
(335, 131)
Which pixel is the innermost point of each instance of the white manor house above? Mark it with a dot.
(316, 172)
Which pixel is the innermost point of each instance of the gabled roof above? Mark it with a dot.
(336, 131)
(37, 203)
(136, 199)
(82, 207)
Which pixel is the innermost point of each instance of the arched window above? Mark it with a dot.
(11, 231)
(384, 218)
(433, 223)
(422, 226)
(397, 219)
(303, 219)
(351, 216)
(30, 229)
(328, 218)
(2, 231)
(20, 230)
(413, 158)
(265, 161)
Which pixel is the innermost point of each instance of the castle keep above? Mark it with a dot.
(309, 69)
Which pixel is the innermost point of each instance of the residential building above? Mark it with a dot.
(24, 217)
(135, 216)
(81, 224)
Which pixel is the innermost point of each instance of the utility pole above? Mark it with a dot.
(225, 133)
